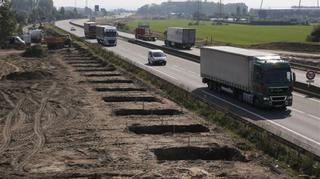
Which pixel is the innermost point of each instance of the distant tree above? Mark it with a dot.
(7, 21)
(314, 35)
(62, 11)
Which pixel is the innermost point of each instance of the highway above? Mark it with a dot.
(300, 124)
(300, 75)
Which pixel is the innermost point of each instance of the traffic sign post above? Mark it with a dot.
(311, 75)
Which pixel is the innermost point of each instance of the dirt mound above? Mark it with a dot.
(31, 75)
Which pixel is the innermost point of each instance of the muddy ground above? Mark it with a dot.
(69, 115)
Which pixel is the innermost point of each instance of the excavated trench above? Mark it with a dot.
(97, 70)
(98, 65)
(109, 81)
(110, 99)
(146, 112)
(103, 75)
(199, 153)
(163, 129)
(82, 62)
(120, 89)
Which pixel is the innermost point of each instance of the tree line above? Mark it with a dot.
(194, 8)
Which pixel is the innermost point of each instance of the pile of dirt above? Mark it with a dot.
(29, 75)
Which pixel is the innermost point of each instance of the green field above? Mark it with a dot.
(243, 35)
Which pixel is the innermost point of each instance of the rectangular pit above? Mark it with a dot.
(163, 129)
(103, 75)
(120, 89)
(146, 112)
(199, 153)
(110, 99)
(96, 70)
(109, 81)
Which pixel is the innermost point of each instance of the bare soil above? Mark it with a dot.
(69, 115)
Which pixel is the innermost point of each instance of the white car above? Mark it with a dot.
(157, 57)
(73, 29)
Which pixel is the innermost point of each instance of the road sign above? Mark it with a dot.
(311, 75)
(96, 8)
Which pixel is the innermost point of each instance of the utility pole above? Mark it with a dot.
(198, 11)
(261, 5)
(318, 3)
(299, 4)
(220, 10)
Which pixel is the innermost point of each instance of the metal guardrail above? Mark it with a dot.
(311, 90)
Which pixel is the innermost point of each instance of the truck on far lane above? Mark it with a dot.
(106, 35)
(259, 78)
(178, 37)
(143, 32)
(90, 30)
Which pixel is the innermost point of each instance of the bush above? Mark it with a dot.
(33, 51)
(314, 35)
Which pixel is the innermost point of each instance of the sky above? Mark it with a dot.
(134, 4)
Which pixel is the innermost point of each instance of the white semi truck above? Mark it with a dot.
(258, 78)
(180, 37)
(106, 35)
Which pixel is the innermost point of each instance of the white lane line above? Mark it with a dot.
(313, 116)
(257, 115)
(300, 95)
(194, 73)
(306, 97)
(296, 110)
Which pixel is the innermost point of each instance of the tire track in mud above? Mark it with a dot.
(7, 127)
(37, 127)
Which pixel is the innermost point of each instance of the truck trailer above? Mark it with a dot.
(106, 35)
(259, 78)
(90, 30)
(180, 37)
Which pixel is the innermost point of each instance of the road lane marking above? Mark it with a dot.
(306, 97)
(257, 115)
(296, 110)
(313, 116)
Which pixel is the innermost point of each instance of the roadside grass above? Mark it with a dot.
(284, 154)
(234, 34)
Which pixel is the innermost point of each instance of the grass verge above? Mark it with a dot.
(286, 153)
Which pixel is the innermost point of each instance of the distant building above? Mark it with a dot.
(302, 14)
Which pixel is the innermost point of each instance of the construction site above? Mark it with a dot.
(70, 114)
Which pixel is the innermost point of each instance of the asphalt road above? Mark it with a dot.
(300, 74)
(300, 124)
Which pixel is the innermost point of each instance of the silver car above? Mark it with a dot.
(157, 57)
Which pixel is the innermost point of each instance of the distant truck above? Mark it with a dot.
(36, 36)
(143, 32)
(106, 35)
(258, 78)
(90, 30)
(58, 41)
(180, 37)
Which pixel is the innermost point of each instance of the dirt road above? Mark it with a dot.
(69, 115)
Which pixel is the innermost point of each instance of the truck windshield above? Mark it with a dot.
(158, 54)
(111, 34)
(277, 76)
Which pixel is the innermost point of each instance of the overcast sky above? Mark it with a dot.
(134, 4)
